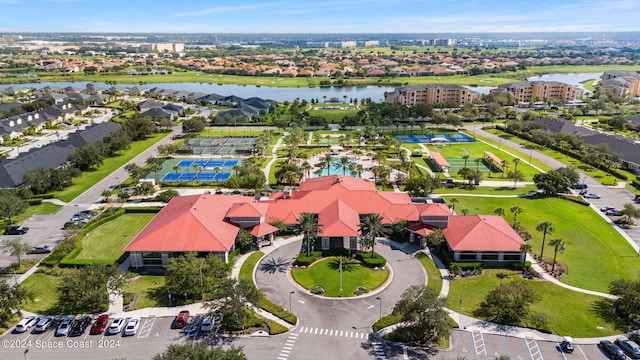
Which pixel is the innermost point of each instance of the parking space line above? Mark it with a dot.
(581, 352)
(478, 343)
(146, 328)
(506, 346)
(534, 349)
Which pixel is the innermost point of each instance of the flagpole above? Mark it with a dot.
(341, 274)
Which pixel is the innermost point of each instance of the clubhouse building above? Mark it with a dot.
(209, 223)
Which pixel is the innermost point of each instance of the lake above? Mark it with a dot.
(376, 93)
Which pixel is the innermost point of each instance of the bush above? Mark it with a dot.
(275, 328)
(519, 265)
(277, 310)
(366, 260)
(317, 290)
(360, 290)
(35, 201)
(387, 320)
(575, 199)
(304, 260)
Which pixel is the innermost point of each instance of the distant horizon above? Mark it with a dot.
(318, 17)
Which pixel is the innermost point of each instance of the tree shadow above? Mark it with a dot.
(347, 264)
(603, 309)
(274, 265)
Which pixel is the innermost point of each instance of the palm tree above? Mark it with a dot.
(516, 161)
(515, 210)
(499, 211)
(308, 225)
(505, 165)
(371, 227)
(464, 211)
(515, 176)
(216, 170)
(196, 168)
(524, 249)
(306, 167)
(328, 161)
(465, 157)
(558, 246)
(453, 203)
(344, 163)
(547, 228)
(478, 161)
(176, 168)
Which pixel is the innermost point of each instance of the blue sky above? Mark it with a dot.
(319, 16)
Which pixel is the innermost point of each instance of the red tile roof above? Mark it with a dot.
(339, 219)
(420, 228)
(481, 233)
(263, 229)
(190, 223)
(248, 209)
(439, 159)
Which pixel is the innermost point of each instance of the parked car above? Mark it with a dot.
(44, 324)
(116, 325)
(27, 323)
(80, 326)
(16, 230)
(206, 324)
(634, 336)
(613, 212)
(591, 196)
(579, 186)
(631, 348)
(100, 324)
(182, 319)
(40, 250)
(567, 344)
(606, 207)
(612, 350)
(71, 224)
(87, 213)
(64, 327)
(132, 326)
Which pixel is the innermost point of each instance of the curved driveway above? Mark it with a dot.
(272, 278)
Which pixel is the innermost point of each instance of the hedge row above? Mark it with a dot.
(367, 260)
(304, 260)
(575, 199)
(277, 310)
(33, 202)
(520, 265)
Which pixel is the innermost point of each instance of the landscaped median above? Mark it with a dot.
(342, 276)
(246, 273)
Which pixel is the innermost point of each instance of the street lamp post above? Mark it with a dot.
(530, 153)
(185, 297)
(290, 294)
(25, 353)
(169, 299)
(380, 306)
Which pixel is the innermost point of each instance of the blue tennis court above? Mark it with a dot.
(454, 138)
(201, 176)
(229, 163)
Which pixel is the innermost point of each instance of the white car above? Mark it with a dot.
(132, 326)
(116, 325)
(27, 323)
(591, 196)
(44, 324)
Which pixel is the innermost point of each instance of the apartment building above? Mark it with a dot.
(624, 83)
(541, 90)
(431, 94)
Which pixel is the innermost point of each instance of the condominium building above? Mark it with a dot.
(431, 94)
(624, 83)
(541, 90)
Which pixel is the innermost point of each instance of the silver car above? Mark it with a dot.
(64, 327)
(630, 347)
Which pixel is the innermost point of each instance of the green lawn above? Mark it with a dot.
(333, 116)
(595, 253)
(476, 151)
(149, 289)
(326, 274)
(42, 209)
(578, 317)
(88, 179)
(246, 271)
(43, 289)
(521, 155)
(106, 241)
(508, 189)
(434, 279)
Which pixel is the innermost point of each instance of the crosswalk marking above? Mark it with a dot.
(287, 347)
(332, 332)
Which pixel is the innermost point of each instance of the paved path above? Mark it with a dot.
(274, 156)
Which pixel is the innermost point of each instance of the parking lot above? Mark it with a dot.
(478, 345)
(152, 337)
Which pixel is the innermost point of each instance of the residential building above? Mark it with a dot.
(431, 94)
(209, 223)
(624, 83)
(526, 91)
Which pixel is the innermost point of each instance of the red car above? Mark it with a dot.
(182, 319)
(100, 324)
